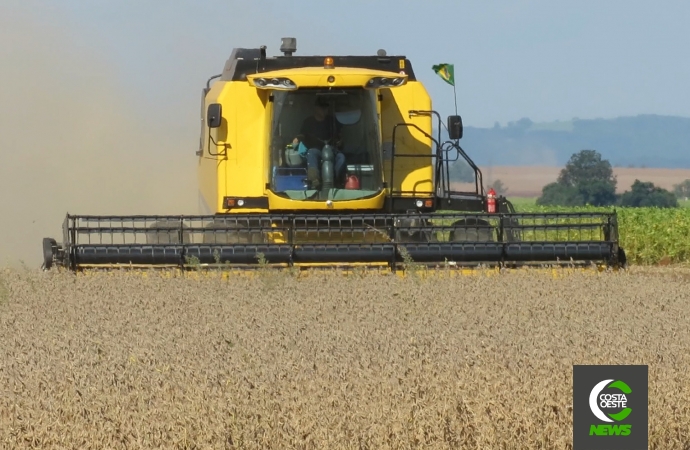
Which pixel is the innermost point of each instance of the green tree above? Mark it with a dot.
(682, 190)
(499, 187)
(597, 193)
(461, 171)
(585, 179)
(557, 194)
(585, 167)
(645, 194)
(523, 123)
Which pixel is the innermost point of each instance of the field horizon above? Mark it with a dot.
(528, 181)
(28, 226)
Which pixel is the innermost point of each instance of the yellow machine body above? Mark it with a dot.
(377, 191)
(236, 160)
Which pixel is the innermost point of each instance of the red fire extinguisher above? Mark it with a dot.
(491, 201)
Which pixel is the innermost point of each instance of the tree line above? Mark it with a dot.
(588, 179)
(628, 141)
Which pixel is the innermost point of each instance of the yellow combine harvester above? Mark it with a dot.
(332, 161)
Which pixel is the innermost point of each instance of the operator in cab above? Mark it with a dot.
(317, 131)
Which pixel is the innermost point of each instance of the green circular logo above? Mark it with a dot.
(610, 401)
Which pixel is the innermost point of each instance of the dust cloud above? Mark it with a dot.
(73, 139)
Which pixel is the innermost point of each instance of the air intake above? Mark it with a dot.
(288, 46)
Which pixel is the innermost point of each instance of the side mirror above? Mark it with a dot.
(454, 127)
(214, 116)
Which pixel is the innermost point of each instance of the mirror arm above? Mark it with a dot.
(208, 83)
(224, 144)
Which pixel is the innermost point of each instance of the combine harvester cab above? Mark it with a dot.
(322, 161)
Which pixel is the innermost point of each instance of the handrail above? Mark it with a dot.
(395, 128)
(441, 179)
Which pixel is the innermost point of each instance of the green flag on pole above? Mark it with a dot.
(445, 71)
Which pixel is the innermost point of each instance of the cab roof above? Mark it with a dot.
(243, 62)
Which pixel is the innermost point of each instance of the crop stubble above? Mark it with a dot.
(326, 361)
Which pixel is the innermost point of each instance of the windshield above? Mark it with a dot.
(325, 144)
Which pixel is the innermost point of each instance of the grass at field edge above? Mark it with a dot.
(649, 236)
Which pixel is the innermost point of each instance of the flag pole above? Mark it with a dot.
(447, 73)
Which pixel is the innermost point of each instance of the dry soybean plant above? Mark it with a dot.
(122, 360)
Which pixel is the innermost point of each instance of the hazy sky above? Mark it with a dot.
(542, 59)
(100, 100)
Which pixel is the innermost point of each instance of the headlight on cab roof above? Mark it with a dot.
(275, 83)
(383, 82)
